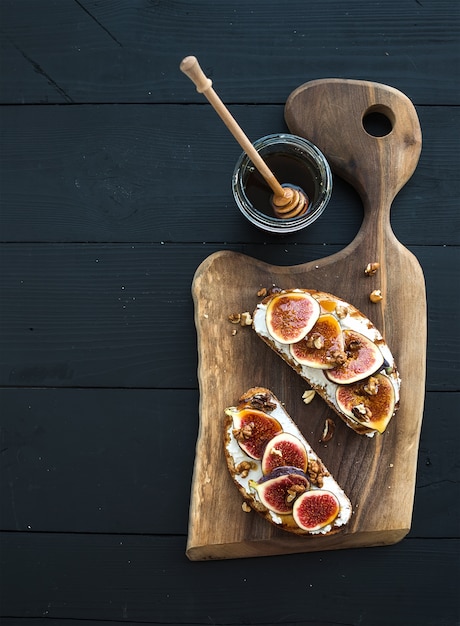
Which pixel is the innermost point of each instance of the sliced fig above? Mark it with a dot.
(363, 358)
(291, 315)
(370, 402)
(281, 471)
(253, 429)
(284, 449)
(322, 346)
(315, 509)
(278, 494)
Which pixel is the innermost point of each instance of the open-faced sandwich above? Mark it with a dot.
(336, 350)
(277, 472)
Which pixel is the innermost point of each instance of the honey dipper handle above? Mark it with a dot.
(192, 69)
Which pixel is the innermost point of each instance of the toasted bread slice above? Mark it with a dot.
(357, 378)
(276, 470)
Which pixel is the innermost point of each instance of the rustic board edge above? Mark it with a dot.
(275, 547)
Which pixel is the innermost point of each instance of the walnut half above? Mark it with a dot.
(316, 473)
(243, 468)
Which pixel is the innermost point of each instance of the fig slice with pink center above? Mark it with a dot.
(291, 315)
(278, 494)
(370, 402)
(363, 358)
(284, 450)
(315, 509)
(253, 429)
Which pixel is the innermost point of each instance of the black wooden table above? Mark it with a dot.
(115, 185)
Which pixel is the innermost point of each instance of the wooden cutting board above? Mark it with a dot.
(378, 474)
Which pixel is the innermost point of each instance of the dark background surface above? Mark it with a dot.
(115, 185)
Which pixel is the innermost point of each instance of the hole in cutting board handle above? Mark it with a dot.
(378, 121)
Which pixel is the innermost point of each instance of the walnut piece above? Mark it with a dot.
(246, 319)
(371, 269)
(243, 468)
(241, 434)
(372, 386)
(262, 292)
(260, 400)
(375, 296)
(319, 342)
(308, 395)
(246, 508)
(234, 318)
(316, 472)
(362, 412)
(294, 491)
(315, 341)
(341, 311)
(328, 430)
(339, 357)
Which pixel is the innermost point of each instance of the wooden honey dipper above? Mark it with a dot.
(287, 201)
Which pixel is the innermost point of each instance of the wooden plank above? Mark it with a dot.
(111, 173)
(116, 315)
(147, 579)
(437, 454)
(99, 315)
(97, 460)
(94, 460)
(128, 51)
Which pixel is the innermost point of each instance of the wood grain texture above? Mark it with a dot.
(96, 460)
(366, 469)
(86, 460)
(83, 577)
(129, 50)
(67, 321)
(102, 174)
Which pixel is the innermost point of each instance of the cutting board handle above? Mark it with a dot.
(332, 114)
